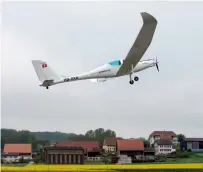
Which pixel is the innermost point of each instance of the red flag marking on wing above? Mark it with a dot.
(44, 65)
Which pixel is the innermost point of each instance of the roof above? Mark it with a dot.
(194, 139)
(128, 144)
(164, 134)
(64, 148)
(17, 148)
(163, 142)
(111, 141)
(10, 154)
(88, 146)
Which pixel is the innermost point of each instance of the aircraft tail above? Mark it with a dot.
(44, 72)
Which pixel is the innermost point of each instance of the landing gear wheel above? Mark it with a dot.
(47, 87)
(131, 82)
(136, 78)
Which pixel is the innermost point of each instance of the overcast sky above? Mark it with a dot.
(76, 37)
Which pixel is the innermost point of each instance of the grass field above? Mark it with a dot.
(101, 168)
(195, 158)
(199, 154)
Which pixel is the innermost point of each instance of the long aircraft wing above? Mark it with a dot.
(140, 45)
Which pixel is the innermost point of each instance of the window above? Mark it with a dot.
(115, 63)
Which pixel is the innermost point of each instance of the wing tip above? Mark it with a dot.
(148, 18)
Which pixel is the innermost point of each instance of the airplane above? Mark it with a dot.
(117, 68)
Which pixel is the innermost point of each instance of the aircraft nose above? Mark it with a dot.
(155, 61)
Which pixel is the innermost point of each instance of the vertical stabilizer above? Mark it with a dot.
(44, 71)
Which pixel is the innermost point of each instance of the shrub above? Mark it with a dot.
(134, 160)
(171, 155)
(105, 160)
(21, 160)
(160, 158)
(37, 159)
(186, 155)
(183, 155)
(114, 159)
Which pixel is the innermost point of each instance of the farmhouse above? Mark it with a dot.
(164, 135)
(163, 147)
(109, 144)
(132, 148)
(64, 155)
(14, 152)
(91, 148)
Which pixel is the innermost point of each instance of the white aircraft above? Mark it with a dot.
(131, 64)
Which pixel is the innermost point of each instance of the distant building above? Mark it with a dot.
(52, 144)
(14, 152)
(194, 144)
(164, 147)
(92, 149)
(149, 154)
(132, 148)
(64, 155)
(124, 159)
(164, 135)
(109, 144)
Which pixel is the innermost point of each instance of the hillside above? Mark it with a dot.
(52, 136)
(44, 137)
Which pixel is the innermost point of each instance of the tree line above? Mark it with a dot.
(45, 138)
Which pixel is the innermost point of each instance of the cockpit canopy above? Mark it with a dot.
(115, 63)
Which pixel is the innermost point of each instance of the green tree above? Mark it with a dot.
(180, 137)
(81, 137)
(146, 142)
(14, 136)
(44, 138)
(109, 133)
(100, 134)
(2, 143)
(53, 136)
(90, 134)
(178, 150)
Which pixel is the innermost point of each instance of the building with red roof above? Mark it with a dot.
(130, 147)
(91, 148)
(163, 135)
(13, 152)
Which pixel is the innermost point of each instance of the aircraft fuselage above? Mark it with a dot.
(109, 70)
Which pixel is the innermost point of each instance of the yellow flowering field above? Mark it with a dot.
(100, 168)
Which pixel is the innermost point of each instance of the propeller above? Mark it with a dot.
(157, 65)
